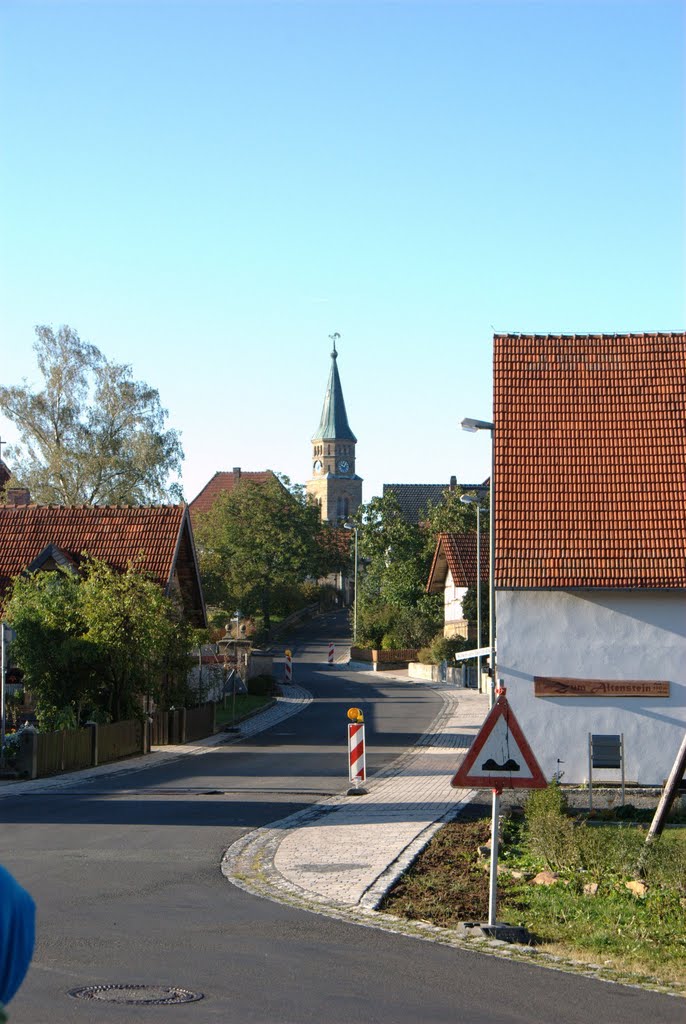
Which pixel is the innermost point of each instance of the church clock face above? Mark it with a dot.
(343, 466)
(318, 466)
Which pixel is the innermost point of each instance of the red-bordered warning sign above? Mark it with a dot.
(500, 757)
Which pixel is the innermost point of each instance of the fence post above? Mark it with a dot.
(93, 726)
(213, 719)
(182, 725)
(27, 760)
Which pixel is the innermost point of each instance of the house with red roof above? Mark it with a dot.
(590, 544)
(453, 571)
(158, 539)
(225, 482)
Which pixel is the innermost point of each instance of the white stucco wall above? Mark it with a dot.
(596, 635)
(453, 600)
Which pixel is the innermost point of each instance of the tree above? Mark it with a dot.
(92, 434)
(60, 665)
(97, 642)
(451, 515)
(143, 643)
(258, 538)
(393, 608)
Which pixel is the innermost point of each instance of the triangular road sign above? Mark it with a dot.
(500, 757)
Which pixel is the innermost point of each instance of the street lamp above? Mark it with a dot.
(472, 426)
(470, 499)
(351, 526)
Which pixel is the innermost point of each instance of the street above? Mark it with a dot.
(126, 875)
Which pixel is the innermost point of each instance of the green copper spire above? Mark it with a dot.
(333, 425)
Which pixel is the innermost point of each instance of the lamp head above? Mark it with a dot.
(472, 426)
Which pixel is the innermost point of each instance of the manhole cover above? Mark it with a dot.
(149, 995)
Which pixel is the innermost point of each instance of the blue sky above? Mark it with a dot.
(208, 190)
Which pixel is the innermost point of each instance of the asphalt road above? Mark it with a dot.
(126, 875)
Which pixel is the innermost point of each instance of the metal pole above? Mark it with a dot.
(491, 571)
(493, 883)
(478, 596)
(355, 604)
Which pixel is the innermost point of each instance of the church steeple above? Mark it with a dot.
(334, 484)
(333, 424)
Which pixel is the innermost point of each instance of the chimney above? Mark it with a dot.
(17, 496)
(453, 483)
(237, 472)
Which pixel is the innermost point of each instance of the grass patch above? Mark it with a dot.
(588, 914)
(246, 704)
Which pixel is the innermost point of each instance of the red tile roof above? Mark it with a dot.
(224, 482)
(590, 460)
(457, 552)
(114, 535)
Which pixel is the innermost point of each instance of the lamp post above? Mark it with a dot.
(351, 526)
(236, 617)
(472, 426)
(470, 499)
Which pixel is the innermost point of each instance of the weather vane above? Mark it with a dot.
(334, 337)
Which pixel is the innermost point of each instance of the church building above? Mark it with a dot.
(334, 485)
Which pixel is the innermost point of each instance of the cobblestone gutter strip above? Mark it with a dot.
(248, 864)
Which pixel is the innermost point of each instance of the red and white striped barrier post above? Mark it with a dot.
(357, 764)
(331, 652)
(288, 668)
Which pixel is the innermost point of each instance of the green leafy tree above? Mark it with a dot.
(393, 608)
(257, 540)
(60, 663)
(143, 643)
(96, 643)
(91, 434)
(453, 516)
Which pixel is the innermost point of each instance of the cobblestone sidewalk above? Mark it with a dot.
(347, 851)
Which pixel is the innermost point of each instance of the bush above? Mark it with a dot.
(549, 831)
(665, 864)
(262, 686)
(443, 648)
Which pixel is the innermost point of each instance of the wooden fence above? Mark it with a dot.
(62, 751)
(45, 753)
(182, 725)
(200, 722)
(120, 739)
(397, 656)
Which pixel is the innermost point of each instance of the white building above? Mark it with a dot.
(590, 539)
(453, 571)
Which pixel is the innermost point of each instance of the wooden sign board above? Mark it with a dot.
(549, 686)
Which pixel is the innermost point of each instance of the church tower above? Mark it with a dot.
(334, 485)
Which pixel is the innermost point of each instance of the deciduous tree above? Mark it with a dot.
(91, 434)
(60, 664)
(258, 538)
(96, 642)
